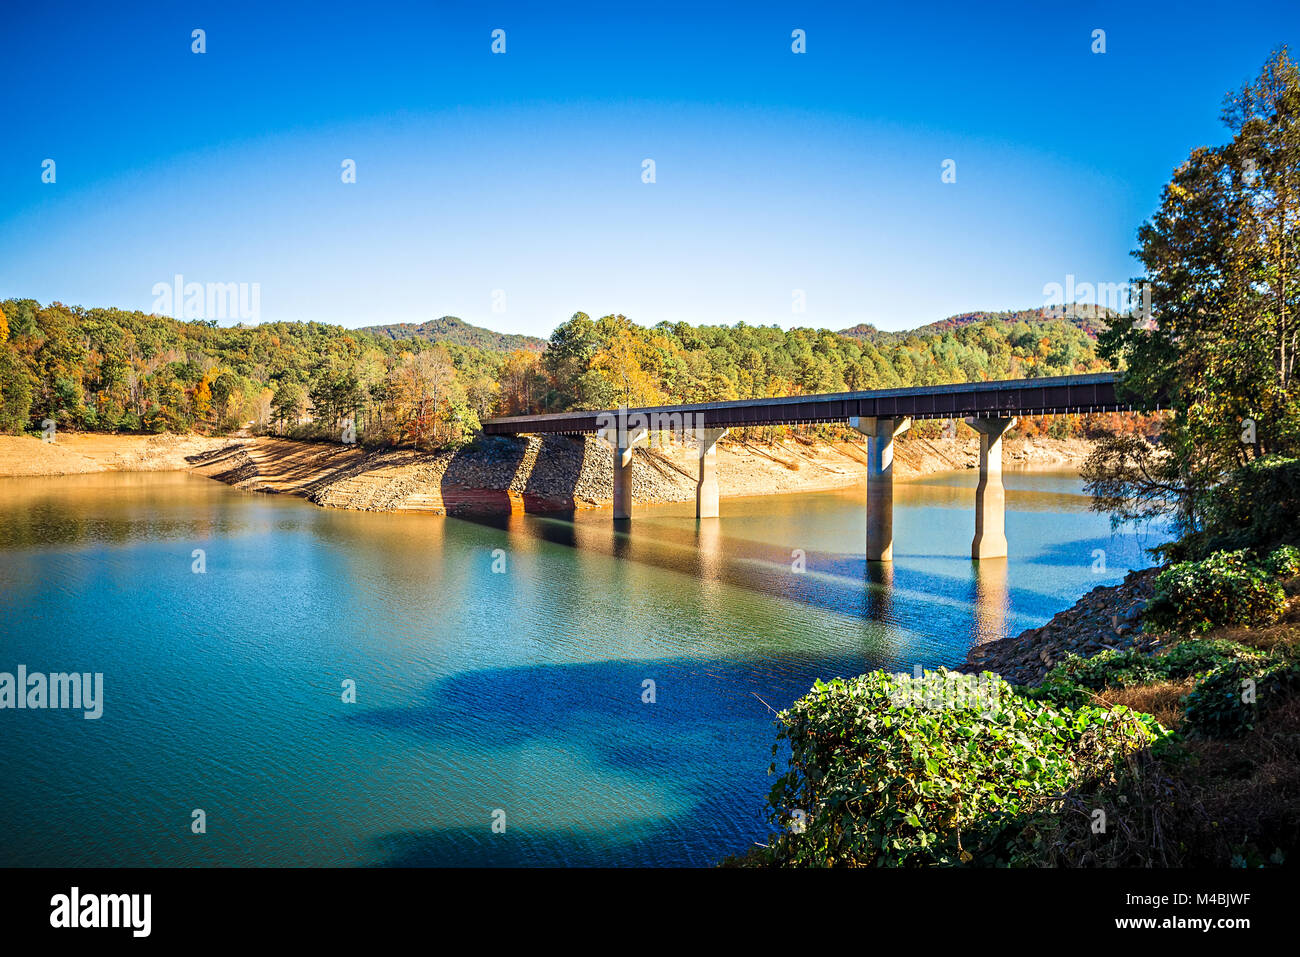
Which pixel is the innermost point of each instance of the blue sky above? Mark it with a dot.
(507, 189)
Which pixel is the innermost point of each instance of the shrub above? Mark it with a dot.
(1071, 683)
(1228, 588)
(1202, 655)
(942, 769)
(1228, 700)
(1220, 705)
(1257, 506)
(1284, 562)
(1075, 680)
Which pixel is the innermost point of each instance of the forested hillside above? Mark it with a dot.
(1092, 319)
(111, 369)
(458, 332)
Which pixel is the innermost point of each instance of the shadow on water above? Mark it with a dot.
(1084, 551)
(706, 740)
(703, 745)
(633, 846)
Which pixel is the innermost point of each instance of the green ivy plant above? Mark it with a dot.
(941, 769)
(1227, 588)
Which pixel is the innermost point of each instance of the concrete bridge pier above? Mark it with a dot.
(706, 487)
(990, 495)
(624, 442)
(880, 482)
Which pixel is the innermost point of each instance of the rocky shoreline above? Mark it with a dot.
(532, 474)
(785, 465)
(1105, 618)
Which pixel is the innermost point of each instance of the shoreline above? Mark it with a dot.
(1106, 618)
(529, 474)
(84, 453)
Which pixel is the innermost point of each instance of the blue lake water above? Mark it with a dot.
(481, 695)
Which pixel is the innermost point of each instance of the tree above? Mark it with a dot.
(568, 355)
(288, 402)
(624, 361)
(522, 383)
(1222, 261)
(116, 369)
(422, 391)
(15, 394)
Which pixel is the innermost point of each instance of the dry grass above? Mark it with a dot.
(1196, 801)
(1282, 635)
(1162, 699)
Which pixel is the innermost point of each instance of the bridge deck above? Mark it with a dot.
(1050, 395)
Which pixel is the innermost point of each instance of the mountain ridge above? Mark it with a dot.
(458, 332)
(1091, 319)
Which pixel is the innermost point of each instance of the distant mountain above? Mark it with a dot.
(1091, 319)
(863, 330)
(458, 332)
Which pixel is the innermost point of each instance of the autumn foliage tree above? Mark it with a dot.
(523, 383)
(426, 402)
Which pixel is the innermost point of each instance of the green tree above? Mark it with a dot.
(288, 403)
(568, 355)
(15, 394)
(1222, 261)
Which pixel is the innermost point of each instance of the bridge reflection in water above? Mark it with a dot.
(716, 557)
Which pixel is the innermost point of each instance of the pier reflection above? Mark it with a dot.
(992, 601)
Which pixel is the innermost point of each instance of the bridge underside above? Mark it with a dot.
(991, 408)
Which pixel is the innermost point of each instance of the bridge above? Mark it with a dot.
(991, 408)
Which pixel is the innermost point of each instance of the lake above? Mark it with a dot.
(501, 666)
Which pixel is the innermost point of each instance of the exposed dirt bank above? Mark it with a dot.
(557, 473)
(80, 453)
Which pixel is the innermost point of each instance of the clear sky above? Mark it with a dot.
(507, 188)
